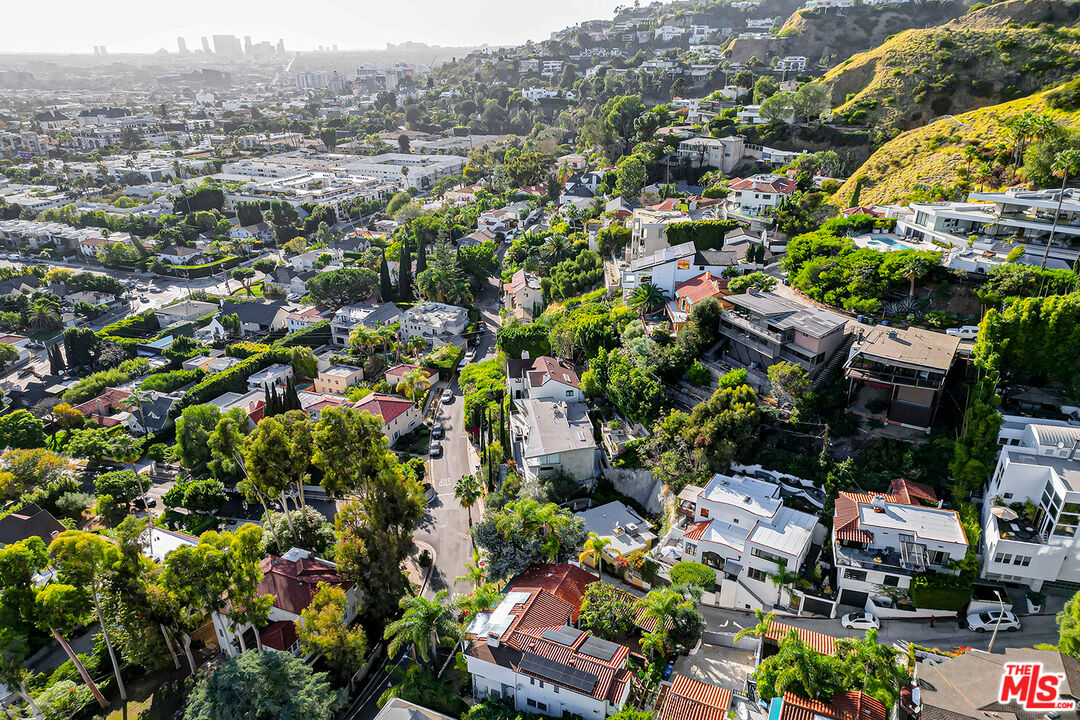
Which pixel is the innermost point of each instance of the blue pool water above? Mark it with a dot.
(886, 244)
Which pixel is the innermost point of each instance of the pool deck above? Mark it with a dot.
(886, 243)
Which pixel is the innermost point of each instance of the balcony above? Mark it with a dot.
(873, 372)
(881, 560)
(744, 323)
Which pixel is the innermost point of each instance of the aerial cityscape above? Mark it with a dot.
(680, 360)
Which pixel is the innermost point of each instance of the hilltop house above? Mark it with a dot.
(370, 316)
(522, 295)
(544, 377)
(757, 193)
(435, 323)
(551, 437)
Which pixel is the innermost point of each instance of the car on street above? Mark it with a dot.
(435, 449)
(470, 355)
(447, 396)
(475, 340)
(437, 432)
(987, 620)
(860, 621)
(461, 365)
(964, 332)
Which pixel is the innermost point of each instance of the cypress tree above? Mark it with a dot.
(386, 287)
(421, 257)
(404, 274)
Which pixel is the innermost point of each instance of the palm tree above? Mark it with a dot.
(647, 297)
(44, 315)
(761, 629)
(914, 267)
(484, 597)
(1066, 163)
(414, 384)
(595, 547)
(467, 491)
(554, 524)
(783, 578)
(425, 625)
(800, 667)
(557, 248)
(662, 605)
(474, 571)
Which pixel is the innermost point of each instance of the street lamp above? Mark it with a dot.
(1001, 614)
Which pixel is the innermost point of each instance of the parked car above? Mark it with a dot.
(988, 620)
(435, 449)
(437, 432)
(447, 396)
(860, 621)
(470, 355)
(475, 340)
(464, 362)
(966, 332)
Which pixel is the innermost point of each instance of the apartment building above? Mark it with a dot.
(724, 154)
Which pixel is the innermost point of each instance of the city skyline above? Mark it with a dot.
(350, 26)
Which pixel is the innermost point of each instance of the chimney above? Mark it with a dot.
(878, 503)
(492, 639)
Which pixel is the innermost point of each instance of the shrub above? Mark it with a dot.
(92, 385)
(313, 336)
(693, 573)
(444, 359)
(698, 374)
(705, 234)
(168, 381)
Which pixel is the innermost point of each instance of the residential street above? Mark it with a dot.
(945, 635)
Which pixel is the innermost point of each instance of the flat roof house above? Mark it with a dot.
(763, 328)
(551, 437)
(1039, 463)
(337, 379)
(369, 315)
(627, 531)
(185, 311)
(434, 322)
(904, 368)
(276, 374)
(885, 539)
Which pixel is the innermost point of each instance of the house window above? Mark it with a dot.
(771, 557)
(684, 264)
(569, 393)
(1022, 560)
(859, 575)
(755, 574)
(542, 707)
(530, 702)
(704, 512)
(1005, 558)
(891, 581)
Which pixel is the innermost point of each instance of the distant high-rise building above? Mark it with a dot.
(335, 48)
(205, 45)
(280, 47)
(104, 52)
(247, 45)
(181, 46)
(227, 45)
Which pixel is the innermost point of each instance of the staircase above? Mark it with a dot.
(823, 372)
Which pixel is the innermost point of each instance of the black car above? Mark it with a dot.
(475, 341)
(437, 432)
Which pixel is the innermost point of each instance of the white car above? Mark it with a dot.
(987, 620)
(967, 332)
(860, 621)
(447, 396)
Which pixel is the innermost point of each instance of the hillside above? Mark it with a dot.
(995, 54)
(932, 154)
(832, 37)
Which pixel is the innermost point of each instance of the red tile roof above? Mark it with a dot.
(846, 507)
(387, 407)
(850, 705)
(699, 288)
(279, 635)
(669, 204)
(694, 531)
(105, 404)
(294, 583)
(565, 581)
(777, 185)
(545, 367)
(863, 210)
(818, 642)
(690, 699)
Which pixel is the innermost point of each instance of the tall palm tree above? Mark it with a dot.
(484, 597)
(594, 550)
(783, 578)
(425, 625)
(914, 267)
(467, 491)
(1066, 163)
(554, 522)
(474, 571)
(44, 315)
(557, 248)
(662, 605)
(800, 669)
(414, 384)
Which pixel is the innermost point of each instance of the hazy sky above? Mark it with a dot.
(125, 26)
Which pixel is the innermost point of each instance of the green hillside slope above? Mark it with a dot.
(995, 54)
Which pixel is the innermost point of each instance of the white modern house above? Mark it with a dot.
(543, 378)
(721, 153)
(1039, 463)
(885, 539)
(434, 322)
(551, 437)
(185, 311)
(277, 374)
(758, 193)
(742, 529)
(369, 315)
(668, 267)
(292, 580)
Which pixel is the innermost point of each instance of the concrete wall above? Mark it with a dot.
(641, 485)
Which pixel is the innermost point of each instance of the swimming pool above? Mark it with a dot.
(886, 244)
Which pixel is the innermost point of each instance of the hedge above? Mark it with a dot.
(168, 381)
(940, 592)
(92, 385)
(232, 380)
(138, 326)
(445, 359)
(246, 349)
(206, 270)
(705, 234)
(693, 573)
(313, 336)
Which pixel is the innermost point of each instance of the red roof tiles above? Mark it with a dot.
(777, 185)
(699, 288)
(694, 531)
(850, 705)
(690, 699)
(294, 583)
(565, 581)
(387, 407)
(818, 642)
(846, 507)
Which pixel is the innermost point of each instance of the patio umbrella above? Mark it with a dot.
(1004, 513)
(670, 551)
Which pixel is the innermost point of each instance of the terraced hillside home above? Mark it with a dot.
(763, 328)
(435, 323)
(1032, 512)
(885, 539)
(544, 377)
(552, 437)
(757, 193)
(899, 372)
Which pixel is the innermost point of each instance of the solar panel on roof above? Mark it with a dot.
(599, 649)
(584, 682)
(565, 635)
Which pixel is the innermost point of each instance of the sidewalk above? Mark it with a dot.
(418, 575)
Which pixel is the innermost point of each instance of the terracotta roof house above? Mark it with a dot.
(849, 705)
(522, 294)
(102, 408)
(690, 699)
(690, 292)
(526, 652)
(543, 377)
(292, 580)
(399, 416)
